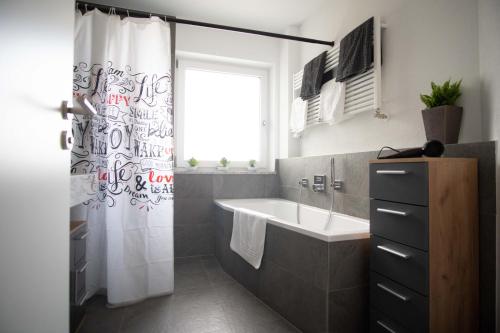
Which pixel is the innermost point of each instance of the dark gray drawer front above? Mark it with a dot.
(412, 272)
(407, 224)
(380, 323)
(399, 182)
(404, 306)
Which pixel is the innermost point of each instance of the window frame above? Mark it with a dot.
(232, 67)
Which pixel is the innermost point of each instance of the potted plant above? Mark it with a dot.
(252, 165)
(442, 119)
(223, 164)
(193, 163)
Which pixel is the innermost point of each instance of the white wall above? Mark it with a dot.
(289, 64)
(260, 50)
(36, 75)
(489, 69)
(425, 40)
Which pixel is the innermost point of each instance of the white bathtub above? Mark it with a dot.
(313, 221)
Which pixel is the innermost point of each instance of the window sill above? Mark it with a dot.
(231, 171)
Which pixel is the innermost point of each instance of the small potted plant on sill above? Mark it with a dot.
(223, 164)
(252, 165)
(442, 119)
(193, 164)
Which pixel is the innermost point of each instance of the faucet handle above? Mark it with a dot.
(304, 182)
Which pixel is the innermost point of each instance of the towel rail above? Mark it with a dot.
(362, 91)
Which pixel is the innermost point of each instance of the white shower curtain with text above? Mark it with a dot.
(124, 67)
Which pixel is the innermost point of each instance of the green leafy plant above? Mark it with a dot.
(193, 162)
(445, 94)
(252, 163)
(224, 162)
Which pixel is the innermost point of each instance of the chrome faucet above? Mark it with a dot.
(336, 184)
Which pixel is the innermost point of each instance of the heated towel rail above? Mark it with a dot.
(363, 92)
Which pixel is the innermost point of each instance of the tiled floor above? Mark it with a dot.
(206, 300)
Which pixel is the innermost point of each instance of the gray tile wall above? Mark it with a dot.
(194, 231)
(353, 199)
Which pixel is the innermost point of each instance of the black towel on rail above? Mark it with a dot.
(356, 51)
(313, 76)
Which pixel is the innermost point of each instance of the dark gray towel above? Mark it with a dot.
(356, 51)
(313, 76)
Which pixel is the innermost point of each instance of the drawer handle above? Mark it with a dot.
(392, 292)
(392, 172)
(83, 299)
(393, 212)
(385, 326)
(82, 236)
(84, 267)
(391, 251)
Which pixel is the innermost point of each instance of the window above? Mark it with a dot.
(222, 111)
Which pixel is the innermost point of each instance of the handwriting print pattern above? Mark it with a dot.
(129, 142)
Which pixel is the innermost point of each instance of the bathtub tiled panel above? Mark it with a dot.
(194, 205)
(295, 277)
(302, 256)
(353, 200)
(348, 264)
(348, 310)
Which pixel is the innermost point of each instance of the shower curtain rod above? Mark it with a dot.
(138, 13)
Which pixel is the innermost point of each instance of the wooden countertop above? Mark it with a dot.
(74, 225)
(422, 159)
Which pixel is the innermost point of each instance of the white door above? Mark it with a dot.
(36, 57)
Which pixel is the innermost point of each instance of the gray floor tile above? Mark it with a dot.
(206, 300)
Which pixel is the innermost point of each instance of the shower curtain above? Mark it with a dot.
(124, 67)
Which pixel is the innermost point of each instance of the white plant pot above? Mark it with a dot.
(222, 168)
(192, 168)
(252, 169)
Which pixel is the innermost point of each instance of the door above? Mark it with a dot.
(36, 58)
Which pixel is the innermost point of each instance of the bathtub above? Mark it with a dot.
(312, 273)
(313, 221)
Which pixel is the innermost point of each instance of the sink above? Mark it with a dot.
(82, 188)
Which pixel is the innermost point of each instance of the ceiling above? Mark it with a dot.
(270, 15)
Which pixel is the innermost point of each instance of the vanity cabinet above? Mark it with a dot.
(78, 267)
(424, 245)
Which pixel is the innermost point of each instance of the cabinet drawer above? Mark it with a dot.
(78, 249)
(399, 182)
(403, 223)
(404, 306)
(401, 263)
(380, 323)
(78, 285)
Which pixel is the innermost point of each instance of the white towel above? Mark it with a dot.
(249, 235)
(298, 116)
(331, 102)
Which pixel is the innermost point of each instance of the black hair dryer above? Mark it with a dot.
(433, 148)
